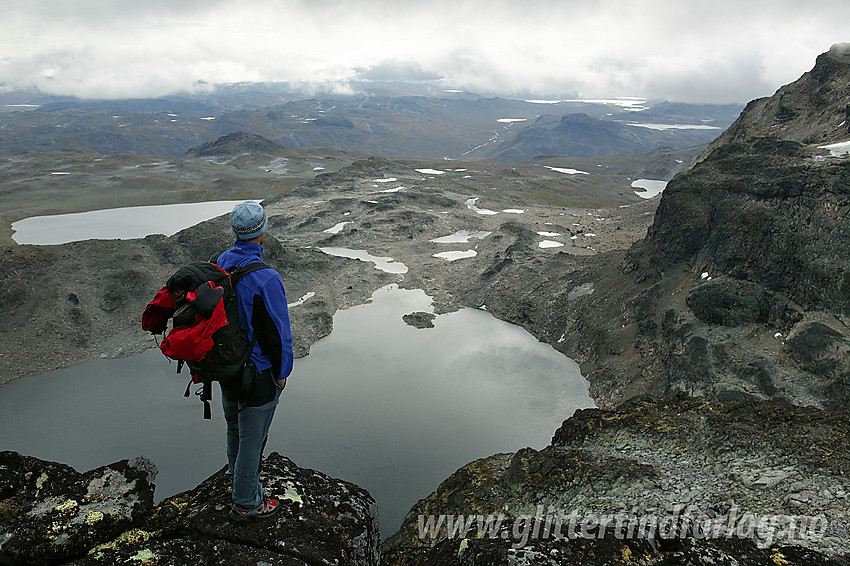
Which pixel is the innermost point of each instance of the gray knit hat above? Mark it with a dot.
(248, 220)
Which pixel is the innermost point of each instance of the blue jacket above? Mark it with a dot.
(263, 310)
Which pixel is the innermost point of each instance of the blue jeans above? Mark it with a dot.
(246, 434)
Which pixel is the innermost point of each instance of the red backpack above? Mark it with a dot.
(205, 334)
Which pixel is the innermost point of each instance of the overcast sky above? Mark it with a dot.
(707, 51)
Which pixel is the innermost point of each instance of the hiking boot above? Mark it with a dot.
(266, 508)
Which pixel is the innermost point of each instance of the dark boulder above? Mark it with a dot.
(820, 349)
(51, 514)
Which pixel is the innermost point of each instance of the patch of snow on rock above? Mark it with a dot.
(550, 244)
(456, 255)
(567, 170)
(336, 229)
(470, 204)
(461, 237)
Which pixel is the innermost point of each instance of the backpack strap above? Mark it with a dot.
(238, 272)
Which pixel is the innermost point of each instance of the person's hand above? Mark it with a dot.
(282, 383)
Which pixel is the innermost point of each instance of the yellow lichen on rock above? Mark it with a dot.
(94, 517)
(291, 494)
(39, 483)
(127, 538)
(67, 506)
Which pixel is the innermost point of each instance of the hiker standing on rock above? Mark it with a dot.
(264, 315)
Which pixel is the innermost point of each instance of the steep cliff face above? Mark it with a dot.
(764, 211)
(761, 224)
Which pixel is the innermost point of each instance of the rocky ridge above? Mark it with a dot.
(812, 110)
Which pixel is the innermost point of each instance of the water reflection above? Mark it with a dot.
(117, 223)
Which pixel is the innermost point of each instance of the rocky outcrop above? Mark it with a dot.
(698, 476)
(821, 349)
(51, 514)
(420, 319)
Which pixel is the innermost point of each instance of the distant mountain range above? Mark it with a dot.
(580, 135)
(385, 122)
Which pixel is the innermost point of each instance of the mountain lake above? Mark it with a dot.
(393, 408)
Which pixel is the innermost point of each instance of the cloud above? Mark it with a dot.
(396, 71)
(719, 51)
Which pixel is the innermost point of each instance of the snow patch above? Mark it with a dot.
(581, 291)
(336, 229)
(461, 237)
(568, 171)
(549, 234)
(837, 149)
(550, 244)
(652, 187)
(456, 255)
(386, 264)
(302, 300)
(630, 103)
(511, 120)
(664, 127)
(431, 171)
(470, 204)
(514, 211)
(387, 180)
